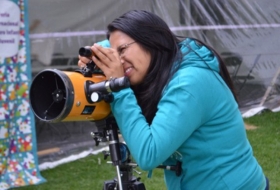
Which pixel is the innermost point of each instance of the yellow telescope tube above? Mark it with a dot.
(57, 96)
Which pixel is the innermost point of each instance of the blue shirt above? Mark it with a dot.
(198, 123)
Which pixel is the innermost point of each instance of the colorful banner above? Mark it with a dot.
(18, 149)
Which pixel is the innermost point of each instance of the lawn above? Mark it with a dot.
(91, 172)
(265, 140)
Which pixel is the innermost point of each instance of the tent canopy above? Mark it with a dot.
(245, 33)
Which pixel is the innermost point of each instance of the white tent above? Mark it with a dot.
(245, 33)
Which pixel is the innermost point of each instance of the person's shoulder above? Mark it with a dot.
(185, 76)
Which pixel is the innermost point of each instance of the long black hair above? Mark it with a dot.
(154, 35)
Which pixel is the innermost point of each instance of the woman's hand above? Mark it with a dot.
(107, 59)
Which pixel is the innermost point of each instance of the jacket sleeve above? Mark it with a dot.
(178, 115)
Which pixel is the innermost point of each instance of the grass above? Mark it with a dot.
(90, 173)
(265, 141)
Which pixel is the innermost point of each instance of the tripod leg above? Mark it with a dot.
(119, 177)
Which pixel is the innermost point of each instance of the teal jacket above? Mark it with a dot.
(198, 123)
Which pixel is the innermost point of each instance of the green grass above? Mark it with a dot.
(265, 141)
(90, 173)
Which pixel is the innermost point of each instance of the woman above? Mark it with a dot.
(180, 107)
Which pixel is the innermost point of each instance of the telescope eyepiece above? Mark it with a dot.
(117, 84)
(85, 52)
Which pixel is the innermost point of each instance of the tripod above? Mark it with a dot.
(120, 158)
(58, 105)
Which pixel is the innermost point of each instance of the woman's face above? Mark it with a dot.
(134, 58)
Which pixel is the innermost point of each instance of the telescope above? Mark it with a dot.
(58, 96)
(84, 95)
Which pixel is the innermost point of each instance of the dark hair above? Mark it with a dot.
(154, 35)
